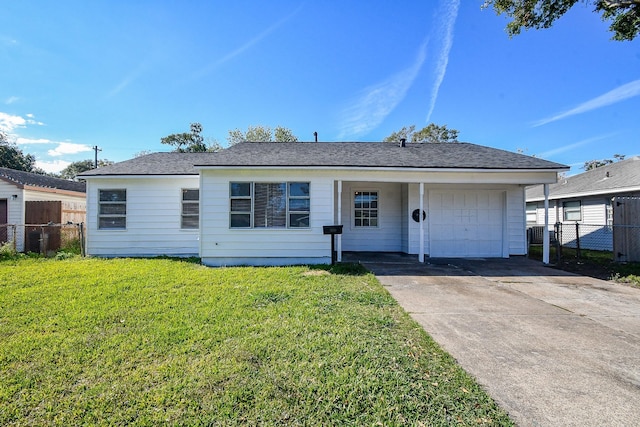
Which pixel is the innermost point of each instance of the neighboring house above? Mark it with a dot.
(20, 190)
(266, 203)
(586, 199)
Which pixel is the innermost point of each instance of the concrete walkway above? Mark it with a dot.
(552, 348)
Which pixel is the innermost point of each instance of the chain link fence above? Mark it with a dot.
(44, 239)
(586, 236)
(614, 239)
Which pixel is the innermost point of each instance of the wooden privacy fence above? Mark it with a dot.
(626, 230)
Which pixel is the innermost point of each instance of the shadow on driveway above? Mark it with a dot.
(551, 347)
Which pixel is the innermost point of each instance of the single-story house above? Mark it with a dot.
(586, 199)
(259, 203)
(20, 196)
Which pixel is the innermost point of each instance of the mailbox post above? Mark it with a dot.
(332, 230)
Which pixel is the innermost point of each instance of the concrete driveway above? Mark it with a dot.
(552, 348)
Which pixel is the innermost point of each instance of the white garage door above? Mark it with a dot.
(466, 223)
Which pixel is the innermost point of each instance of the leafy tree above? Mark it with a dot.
(190, 142)
(261, 134)
(593, 164)
(431, 133)
(12, 157)
(71, 171)
(526, 14)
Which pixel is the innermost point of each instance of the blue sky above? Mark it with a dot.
(123, 74)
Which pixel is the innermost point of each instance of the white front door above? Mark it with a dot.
(464, 223)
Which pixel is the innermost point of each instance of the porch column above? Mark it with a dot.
(339, 221)
(545, 236)
(421, 254)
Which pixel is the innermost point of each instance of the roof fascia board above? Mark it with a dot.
(384, 169)
(140, 176)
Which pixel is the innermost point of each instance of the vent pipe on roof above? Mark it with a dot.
(315, 135)
(403, 142)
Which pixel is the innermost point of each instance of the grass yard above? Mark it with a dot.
(152, 342)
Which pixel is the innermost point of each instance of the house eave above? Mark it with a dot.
(139, 176)
(12, 182)
(603, 192)
(382, 168)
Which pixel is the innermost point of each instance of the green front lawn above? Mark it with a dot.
(149, 342)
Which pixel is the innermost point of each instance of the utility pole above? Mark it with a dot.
(95, 162)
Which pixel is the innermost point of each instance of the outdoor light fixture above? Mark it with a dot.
(14, 196)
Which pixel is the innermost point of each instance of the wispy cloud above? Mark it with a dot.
(52, 167)
(10, 100)
(375, 103)
(449, 15)
(66, 148)
(212, 66)
(11, 122)
(30, 141)
(616, 95)
(128, 79)
(62, 147)
(575, 145)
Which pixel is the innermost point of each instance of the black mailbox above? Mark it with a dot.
(332, 229)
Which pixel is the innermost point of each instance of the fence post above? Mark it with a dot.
(558, 237)
(83, 249)
(577, 240)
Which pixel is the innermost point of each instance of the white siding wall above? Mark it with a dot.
(594, 211)
(221, 245)
(15, 212)
(555, 212)
(405, 215)
(516, 221)
(153, 218)
(387, 237)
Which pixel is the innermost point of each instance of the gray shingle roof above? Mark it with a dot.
(36, 180)
(618, 177)
(374, 154)
(153, 164)
(329, 154)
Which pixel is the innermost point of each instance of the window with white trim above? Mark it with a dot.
(190, 217)
(269, 204)
(572, 211)
(609, 212)
(365, 209)
(532, 213)
(112, 209)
